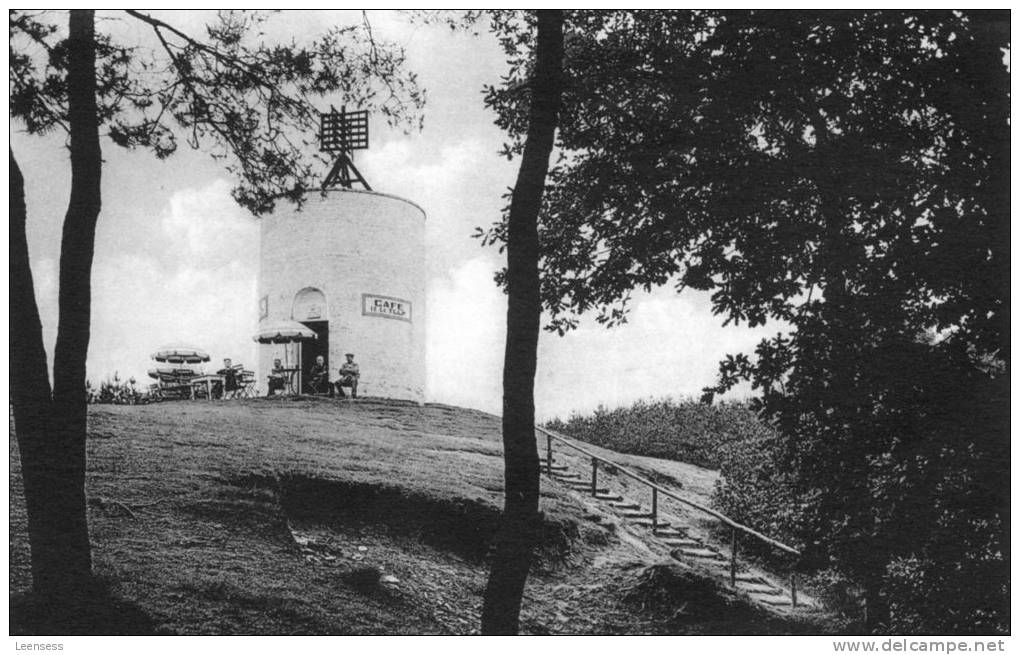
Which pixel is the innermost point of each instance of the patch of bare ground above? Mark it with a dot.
(308, 516)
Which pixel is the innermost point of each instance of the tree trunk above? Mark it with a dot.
(521, 529)
(51, 430)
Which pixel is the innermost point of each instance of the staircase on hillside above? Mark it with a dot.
(683, 546)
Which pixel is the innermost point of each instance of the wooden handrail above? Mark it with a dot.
(666, 492)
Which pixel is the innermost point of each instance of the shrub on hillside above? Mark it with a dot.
(115, 392)
(956, 581)
(685, 430)
(754, 489)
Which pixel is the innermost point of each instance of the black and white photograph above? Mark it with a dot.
(688, 323)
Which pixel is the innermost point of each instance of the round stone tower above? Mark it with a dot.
(350, 265)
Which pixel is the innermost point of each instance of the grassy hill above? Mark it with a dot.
(311, 516)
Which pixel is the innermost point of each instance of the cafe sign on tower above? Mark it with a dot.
(385, 307)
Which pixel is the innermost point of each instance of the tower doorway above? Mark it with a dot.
(309, 309)
(313, 348)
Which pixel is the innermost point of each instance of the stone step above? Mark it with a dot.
(670, 533)
(554, 467)
(635, 514)
(775, 601)
(608, 496)
(759, 588)
(648, 523)
(587, 488)
(721, 563)
(565, 476)
(625, 505)
(701, 553)
(751, 577)
(682, 543)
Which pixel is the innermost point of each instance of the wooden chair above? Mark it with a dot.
(245, 383)
(248, 381)
(320, 386)
(238, 390)
(339, 385)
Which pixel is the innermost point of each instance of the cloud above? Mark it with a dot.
(139, 306)
(206, 223)
(451, 168)
(671, 346)
(44, 276)
(45, 279)
(466, 331)
(199, 288)
(459, 184)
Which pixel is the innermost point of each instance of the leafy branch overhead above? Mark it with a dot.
(757, 155)
(234, 93)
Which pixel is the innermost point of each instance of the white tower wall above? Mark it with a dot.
(365, 253)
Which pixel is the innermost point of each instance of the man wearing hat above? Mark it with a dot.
(349, 375)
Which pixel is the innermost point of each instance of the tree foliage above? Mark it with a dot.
(843, 174)
(232, 92)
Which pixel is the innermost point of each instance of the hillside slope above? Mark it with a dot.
(311, 516)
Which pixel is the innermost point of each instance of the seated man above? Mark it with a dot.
(229, 385)
(318, 377)
(277, 378)
(349, 375)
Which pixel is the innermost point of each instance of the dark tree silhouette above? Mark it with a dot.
(522, 523)
(844, 173)
(51, 428)
(247, 104)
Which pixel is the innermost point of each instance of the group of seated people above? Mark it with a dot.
(179, 382)
(318, 377)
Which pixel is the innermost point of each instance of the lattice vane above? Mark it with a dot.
(343, 132)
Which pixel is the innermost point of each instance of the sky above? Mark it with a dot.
(176, 259)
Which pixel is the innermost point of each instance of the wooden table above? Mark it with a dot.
(291, 374)
(208, 381)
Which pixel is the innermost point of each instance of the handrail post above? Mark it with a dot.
(594, 477)
(733, 557)
(793, 586)
(611, 466)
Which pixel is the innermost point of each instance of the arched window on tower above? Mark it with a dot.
(309, 305)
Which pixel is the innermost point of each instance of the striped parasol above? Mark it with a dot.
(283, 331)
(180, 354)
